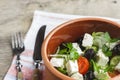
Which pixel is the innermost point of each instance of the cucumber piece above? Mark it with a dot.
(115, 60)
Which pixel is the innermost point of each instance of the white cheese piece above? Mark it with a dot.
(72, 67)
(76, 46)
(77, 76)
(87, 40)
(102, 59)
(117, 67)
(57, 62)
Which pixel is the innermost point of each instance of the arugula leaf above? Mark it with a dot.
(95, 48)
(70, 51)
(109, 68)
(94, 34)
(107, 36)
(114, 40)
(105, 48)
(95, 66)
(74, 55)
(63, 51)
(106, 51)
(68, 45)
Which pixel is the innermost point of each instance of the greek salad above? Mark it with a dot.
(93, 56)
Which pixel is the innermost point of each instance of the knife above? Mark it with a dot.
(37, 74)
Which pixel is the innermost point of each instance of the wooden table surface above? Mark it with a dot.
(16, 15)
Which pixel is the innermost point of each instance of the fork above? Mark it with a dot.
(18, 48)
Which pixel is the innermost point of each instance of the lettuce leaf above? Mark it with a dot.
(100, 38)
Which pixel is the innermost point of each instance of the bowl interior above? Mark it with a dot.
(71, 31)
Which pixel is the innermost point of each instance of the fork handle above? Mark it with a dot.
(37, 75)
(19, 75)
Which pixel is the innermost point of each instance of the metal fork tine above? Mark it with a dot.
(16, 41)
(13, 42)
(21, 44)
(19, 40)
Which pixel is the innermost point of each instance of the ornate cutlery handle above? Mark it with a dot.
(19, 71)
(36, 74)
(19, 76)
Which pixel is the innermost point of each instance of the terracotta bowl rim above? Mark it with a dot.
(45, 43)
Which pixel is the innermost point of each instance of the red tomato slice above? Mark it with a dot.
(83, 65)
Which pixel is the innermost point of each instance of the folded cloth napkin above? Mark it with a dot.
(40, 18)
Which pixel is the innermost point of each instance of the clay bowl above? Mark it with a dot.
(71, 31)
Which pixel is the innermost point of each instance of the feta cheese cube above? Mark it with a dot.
(117, 67)
(77, 76)
(87, 40)
(57, 62)
(102, 59)
(72, 67)
(76, 46)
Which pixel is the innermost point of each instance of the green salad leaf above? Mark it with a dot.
(100, 38)
(114, 40)
(68, 45)
(107, 68)
(95, 66)
(63, 51)
(73, 54)
(70, 51)
(62, 70)
(106, 50)
(100, 71)
(107, 36)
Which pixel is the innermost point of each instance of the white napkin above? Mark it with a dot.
(40, 18)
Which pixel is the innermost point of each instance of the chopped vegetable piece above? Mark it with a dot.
(117, 67)
(62, 70)
(106, 51)
(100, 38)
(83, 65)
(115, 60)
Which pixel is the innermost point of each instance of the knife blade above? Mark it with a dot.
(37, 53)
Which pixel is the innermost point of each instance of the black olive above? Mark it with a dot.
(116, 49)
(89, 75)
(89, 54)
(79, 41)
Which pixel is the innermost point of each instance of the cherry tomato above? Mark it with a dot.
(83, 65)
